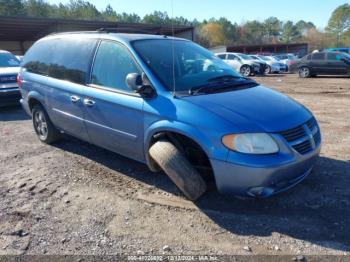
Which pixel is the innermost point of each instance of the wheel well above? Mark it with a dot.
(32, 102)
(191, 149)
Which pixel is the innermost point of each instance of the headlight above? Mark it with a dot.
(251, 143)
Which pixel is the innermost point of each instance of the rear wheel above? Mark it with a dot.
(43, 126)
(268, 70)
(304, 72)
(245, 70)
(178, 168)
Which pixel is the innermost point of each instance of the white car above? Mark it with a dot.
(242, 63)
(9, 68)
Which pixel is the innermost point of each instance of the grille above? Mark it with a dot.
(303, 147)
(303, 138)
(294, 133)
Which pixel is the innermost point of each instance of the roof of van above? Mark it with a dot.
(118, 36)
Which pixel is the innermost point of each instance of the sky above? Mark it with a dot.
(239, 11)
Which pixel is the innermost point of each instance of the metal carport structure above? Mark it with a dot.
(17, 34)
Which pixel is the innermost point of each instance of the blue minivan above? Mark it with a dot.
(173, 105)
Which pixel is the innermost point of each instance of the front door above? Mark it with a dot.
(114, 113)
(336, 64)
(319, 63)
(234, 62)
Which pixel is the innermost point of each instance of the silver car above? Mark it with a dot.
(273, 65)
(288, 59)
(242, 63)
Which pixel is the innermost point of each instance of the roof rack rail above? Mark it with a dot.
(75, 32)
(127, 30)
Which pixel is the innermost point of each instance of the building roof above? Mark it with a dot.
(31, 29)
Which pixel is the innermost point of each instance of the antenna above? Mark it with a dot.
(173, 46)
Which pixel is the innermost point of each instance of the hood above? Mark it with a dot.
(9, 70)
(257, 109)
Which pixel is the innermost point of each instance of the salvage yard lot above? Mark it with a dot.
(75, 198)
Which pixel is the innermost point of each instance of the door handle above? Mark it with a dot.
(74, 99)
(88, 102)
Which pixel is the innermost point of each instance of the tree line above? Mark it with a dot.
(212, 32)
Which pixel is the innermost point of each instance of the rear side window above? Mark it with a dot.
(113, 62)
(65, 59)
(222, 56)
(319, 56)
(71, 59)
(38, 57)
(334, 56)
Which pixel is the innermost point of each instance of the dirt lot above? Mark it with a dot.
(75, 198)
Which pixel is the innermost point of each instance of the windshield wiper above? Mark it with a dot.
(225, 78)
(221, 86)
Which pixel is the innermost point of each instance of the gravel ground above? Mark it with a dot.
(75, 198)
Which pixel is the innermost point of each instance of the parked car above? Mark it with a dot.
(324, 63)
(19, 57)
(129, 94)
(274, 67)
(339, 49)
(283, 67)
(270, 66)
(288, 59)
(243, 64)
(9, 67)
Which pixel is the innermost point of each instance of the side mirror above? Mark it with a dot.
(134, 81)
(139, 83)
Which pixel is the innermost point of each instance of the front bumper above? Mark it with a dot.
(262, 180)
(9, 96)
(275, 69)
(284, 68)
(255, 69)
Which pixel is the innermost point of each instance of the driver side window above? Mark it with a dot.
(113, 62)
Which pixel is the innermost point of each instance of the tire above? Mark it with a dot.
(178, 169)
(268, 70)
(304, 72)
(245, 70)
(43, 126)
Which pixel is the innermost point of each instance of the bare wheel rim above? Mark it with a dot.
(40, 124)
(304, 72)
(245, 71)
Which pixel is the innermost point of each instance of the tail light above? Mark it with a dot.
(19, 81)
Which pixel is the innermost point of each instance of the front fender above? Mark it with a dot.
(186, 130)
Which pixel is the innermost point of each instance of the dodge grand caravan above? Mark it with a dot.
(173, 105)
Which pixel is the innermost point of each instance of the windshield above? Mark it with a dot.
(8, 60)
(192, 65)
(347, 56)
